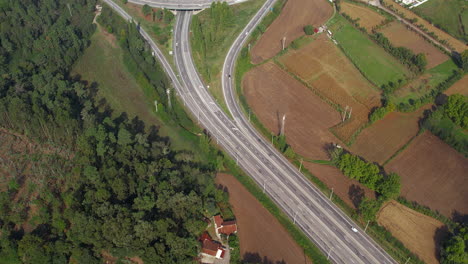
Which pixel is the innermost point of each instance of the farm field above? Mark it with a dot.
(424, 83)
(290, 23)
(421, 234)
(349, 190)
(400, 36)
(366, 55)
(385, 137)
(328, 71)
(450, 15)
(458, 45)
(272, 92)
(368, 18)
(433, 174)
(262, 238)
(460, 87)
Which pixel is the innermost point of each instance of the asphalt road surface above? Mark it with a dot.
(182, 4)
(308, 208)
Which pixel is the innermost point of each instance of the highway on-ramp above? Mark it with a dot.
(320, 219)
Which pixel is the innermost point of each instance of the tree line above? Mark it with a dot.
(127, 192)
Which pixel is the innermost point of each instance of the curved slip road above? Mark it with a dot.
(320, 219)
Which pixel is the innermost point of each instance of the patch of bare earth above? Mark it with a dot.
(421, 234)
(400, 36)
(350, 191)
(433, 174)
(368, 18)
(262, 238)
(460, 87)
(271, 93)
(290, 24)
(385, 137)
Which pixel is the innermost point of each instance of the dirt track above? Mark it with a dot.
(262, 238)
(419, 233)
(290, 23)
(399, 35)
(271, 92)
(433, 174)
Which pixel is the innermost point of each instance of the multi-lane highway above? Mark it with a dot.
(182, 4)
(320, 219)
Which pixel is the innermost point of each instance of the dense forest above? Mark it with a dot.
(124, 191)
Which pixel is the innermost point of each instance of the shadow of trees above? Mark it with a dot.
(356, 194)
(255, 258)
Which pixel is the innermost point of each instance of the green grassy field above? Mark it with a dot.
(104, 63)
(424, 84)
(374, 62)
(449, 15)
(210, 69)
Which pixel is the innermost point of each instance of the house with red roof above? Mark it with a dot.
(224, 227)
(210, 247)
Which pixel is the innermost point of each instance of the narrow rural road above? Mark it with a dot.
(320, 219)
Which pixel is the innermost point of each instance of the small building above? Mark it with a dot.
(211, 248)
(224, 227)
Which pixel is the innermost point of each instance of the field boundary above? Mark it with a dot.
(405, 146)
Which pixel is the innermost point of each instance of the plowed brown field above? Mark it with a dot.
(419, 233)
(262, 238)
(327, 70)
(400, 36)
(460, 87)
(290, 23)
(368, 18)
(455, 43)
(350, 191)
(433, 174)
(272, 92)
(380, 141)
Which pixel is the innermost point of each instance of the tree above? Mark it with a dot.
(389, 188)
(464, 60)
(454, 251)
(309, 30)
(420, 61)
(368, 208)
(146, 9)
(456, 109)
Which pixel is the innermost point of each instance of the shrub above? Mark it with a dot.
(309, 30)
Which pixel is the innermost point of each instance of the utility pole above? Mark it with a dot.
(69, 9)
(350, 111)
(249, 115)
(331, 194)
(295, 214)
(168, 91)
(344, 115)
(300, 166)
(283, 41)
(282, 125)
(264, 186)
(407, 260)
(249, 47)
(329, 251)
(366, 226)
(156, 105)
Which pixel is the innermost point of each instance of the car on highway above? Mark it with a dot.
(354, 229)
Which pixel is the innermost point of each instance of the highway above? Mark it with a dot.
(308, 208)
(181, 4)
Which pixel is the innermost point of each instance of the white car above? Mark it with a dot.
(354, 229)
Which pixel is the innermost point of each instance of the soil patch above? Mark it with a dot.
(349, 190)
(367, 17)
(419, 233)
(290, 24)
(262, 238)
(400, 36)
(433, 174)
(327, 70)
(272, 92)
(459, 87)
(380, 141)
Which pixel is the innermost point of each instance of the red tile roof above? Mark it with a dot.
(204, 236)
(228, 229)
(209, 247)
(218, 220)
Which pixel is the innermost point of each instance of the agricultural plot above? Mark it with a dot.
(458, 45)
(400, 36)
(421, 234)
(289, 24)
(460, 87)
(375, 64)
(272, 93)
(449, 15)
(367, 17)
(327, 70)
(424, 83)
(433, 174)
(350, 191)
(257, 241)
(385, 137)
